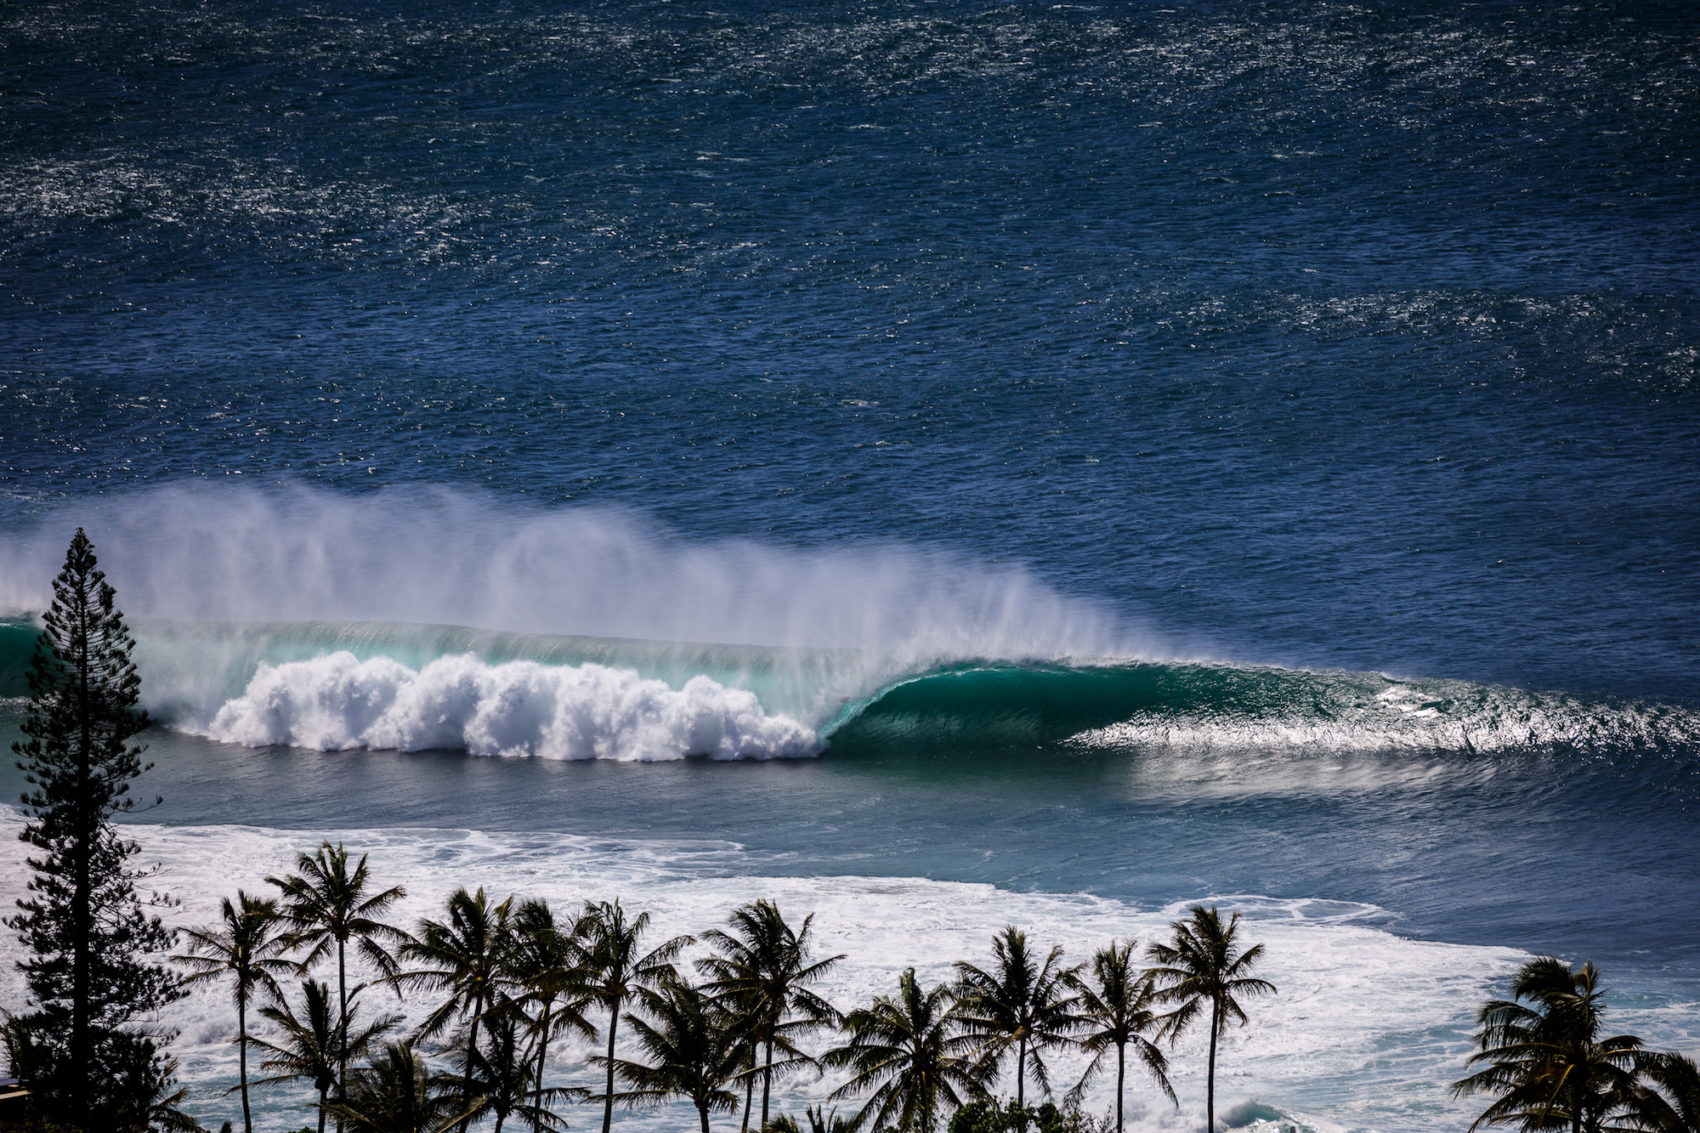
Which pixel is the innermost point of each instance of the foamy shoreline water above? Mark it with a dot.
(1366, 1032)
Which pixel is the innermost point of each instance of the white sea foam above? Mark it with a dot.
(1367, 1029)
(520, 708)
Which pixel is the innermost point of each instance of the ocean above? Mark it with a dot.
(938, 465)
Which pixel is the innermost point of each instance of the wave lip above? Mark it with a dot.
(338, 702)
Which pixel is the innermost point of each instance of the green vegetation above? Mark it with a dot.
(81, 1046)
(1546, 1063)
(1202, 966)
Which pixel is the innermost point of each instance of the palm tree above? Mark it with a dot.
(326, 904)
(693, 1050)
(311, 1045)
(1115, 1006)
(398, 1093)
(502, 1073)
(1203, 965)
(1675, 1107)
(1022, 1003)
(763, 971)
(546, 965)
(465, 955)
(615, 969)
(820, 1121)
(903, 1050)
(1545, 1057)
(247, 950)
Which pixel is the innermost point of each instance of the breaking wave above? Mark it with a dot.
(443, 619)
(340, 685)
(519, 708)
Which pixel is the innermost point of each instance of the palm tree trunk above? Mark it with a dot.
(1021, 1081)
(322, 1097)
(341, 1028)
(702, 1112)
(1210, 1080)
(242, 1059)
(1121, 1077)
(749, 1094)
(608, 1094)
(542, 1053)
(766, 1080)
(471, 1053)
(499, 1119)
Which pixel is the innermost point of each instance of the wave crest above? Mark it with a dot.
(518, 708)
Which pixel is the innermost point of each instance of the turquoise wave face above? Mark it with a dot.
(17, 642)
(334, 685)
(1204, 707)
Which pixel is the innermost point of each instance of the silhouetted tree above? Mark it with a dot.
(1020, 1003)
(85, 930)
(1202, 969)
(328, 904)
(616, 968)
(1114, 1004)
(246, 950)
(903, 1050)
(312, 1043)
(762, 970)
(1543, 1056)
(693, 1051)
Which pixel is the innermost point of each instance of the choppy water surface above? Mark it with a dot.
(1064, 460)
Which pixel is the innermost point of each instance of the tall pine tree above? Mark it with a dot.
(86, 932)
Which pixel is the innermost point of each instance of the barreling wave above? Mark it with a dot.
(1202, 707)
(341, 685)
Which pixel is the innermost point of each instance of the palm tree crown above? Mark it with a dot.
(615, 968)
(902, 1049)
(327, 904)
(1114, 1002)
(762, 971)
(1674, 1107)
(309, 1045)
(1202, 967)
(466, 956)
(247, 949)
(1021, 1002)
(547, 968)
(693, 1051)
(1542, 1053)
(398, 1093)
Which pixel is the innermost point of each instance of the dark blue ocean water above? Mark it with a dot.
(1317, 335)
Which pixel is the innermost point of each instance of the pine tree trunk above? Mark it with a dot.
(242, 1060)
(608, 1102)
(82, 917)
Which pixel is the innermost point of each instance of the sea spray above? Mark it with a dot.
(519, 708)
(456, 557)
